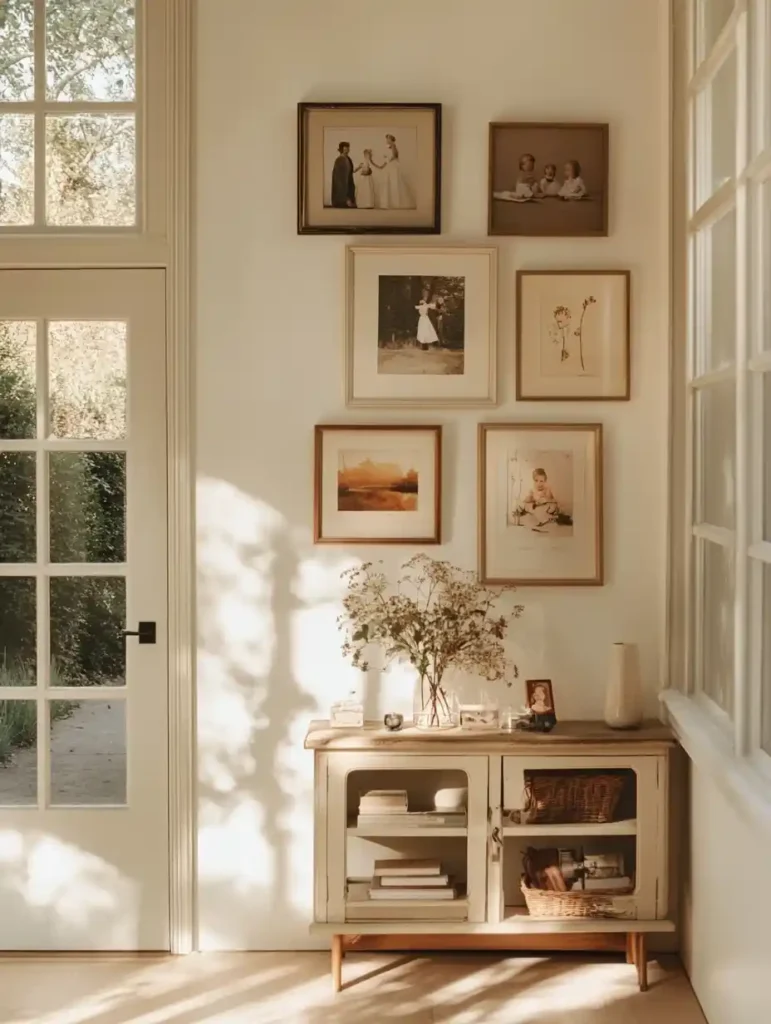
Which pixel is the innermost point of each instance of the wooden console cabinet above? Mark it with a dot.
(486, 855)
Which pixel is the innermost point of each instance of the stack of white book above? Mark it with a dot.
(380, 808)
(411, 880)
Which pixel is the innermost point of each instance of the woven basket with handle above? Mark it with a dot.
(571, 799)
(545, 903)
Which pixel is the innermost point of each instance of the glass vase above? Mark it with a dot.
(434, 706)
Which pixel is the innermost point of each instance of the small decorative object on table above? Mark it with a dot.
(347, 714)
(623, 700)
(439, 617)
(393, 721)
(479, 716)
(540, 701)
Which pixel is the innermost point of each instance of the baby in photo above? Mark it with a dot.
(527, 183)
(540, 500)
(573, 186)
(549, 184)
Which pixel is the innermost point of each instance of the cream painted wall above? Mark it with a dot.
(727, 950)
(269, 364)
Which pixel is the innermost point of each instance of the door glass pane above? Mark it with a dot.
(17, 506)
(88, 752)
(766, 661)
(18, 753)
(87, 617)
(716, 454)
(720, 242)
(87, 364)
(90, 170)
(723, 100)
(90, 50)
(717, 663)
(17, 77)
(17, 169)
(17, 378)
(18, 631)
(88, 506)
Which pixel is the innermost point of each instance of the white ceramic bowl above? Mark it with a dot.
(451, 799)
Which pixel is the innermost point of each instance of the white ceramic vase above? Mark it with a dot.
(624, 699)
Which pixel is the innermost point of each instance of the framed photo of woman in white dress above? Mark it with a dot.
(369, 168)
(420, 326)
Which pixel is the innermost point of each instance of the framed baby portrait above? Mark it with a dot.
(369, 168)
(548, 179)
(572, 335)
(378, 484)
(420, 326)
(540, 504)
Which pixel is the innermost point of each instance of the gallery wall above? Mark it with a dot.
(270, 366)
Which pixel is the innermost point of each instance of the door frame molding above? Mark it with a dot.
(180, 411)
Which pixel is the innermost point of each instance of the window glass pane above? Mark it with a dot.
(717, 626)
(90, 50)
(87, 367)
(87, 617)
(88, 506)
(18, 753)
(716, 454)
(763, 272)
(723, 103)
(88, 752)
(17, 169)
(18, 631)
(766, 456)
(90, 170)
(17, 76)
(715, 14)
(718, 249)
(17, 378)
(17, 506)
(766, 661)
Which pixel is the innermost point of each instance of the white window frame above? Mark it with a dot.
(730, 746)
(160, 238)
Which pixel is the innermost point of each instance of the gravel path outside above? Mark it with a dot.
(88, 760)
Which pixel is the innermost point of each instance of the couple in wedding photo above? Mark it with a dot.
(367, 184)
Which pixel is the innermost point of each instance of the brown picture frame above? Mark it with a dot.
(593, 578)
(530, 685)
(427, 219)
(434, 536)
(539, 217)
(523, 391)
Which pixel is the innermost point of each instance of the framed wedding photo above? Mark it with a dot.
(540, 504)
(573, 335)
(378, 485)
(548, 179)
(420, 326)
(369, 168)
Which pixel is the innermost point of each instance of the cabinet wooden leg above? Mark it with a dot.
(631, 939)
(337, 962)
(641, 959)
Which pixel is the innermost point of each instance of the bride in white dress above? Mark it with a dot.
(426, 333)
(395, 192)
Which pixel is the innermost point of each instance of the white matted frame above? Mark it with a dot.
(161, 238)
(723, 58)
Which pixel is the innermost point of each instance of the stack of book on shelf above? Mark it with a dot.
(380, 808)
(405, 889)
(577, 870)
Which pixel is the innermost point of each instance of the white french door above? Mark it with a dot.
(83, 708)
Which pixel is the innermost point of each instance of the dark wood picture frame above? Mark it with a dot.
(304, 227)
(598, 579)
(530, 685)
(521, 394)
(602, 129)
(318, 526)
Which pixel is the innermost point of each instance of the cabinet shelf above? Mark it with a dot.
(383, 831)
(611, 828)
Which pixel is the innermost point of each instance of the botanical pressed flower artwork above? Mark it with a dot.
(572, 334)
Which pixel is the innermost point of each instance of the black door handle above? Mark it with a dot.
(146, 632)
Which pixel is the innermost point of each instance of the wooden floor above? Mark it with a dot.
(380, 988)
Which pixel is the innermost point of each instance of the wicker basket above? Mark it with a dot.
(546, 903)
(559, 798)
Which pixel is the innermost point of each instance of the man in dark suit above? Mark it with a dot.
(343, 188)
